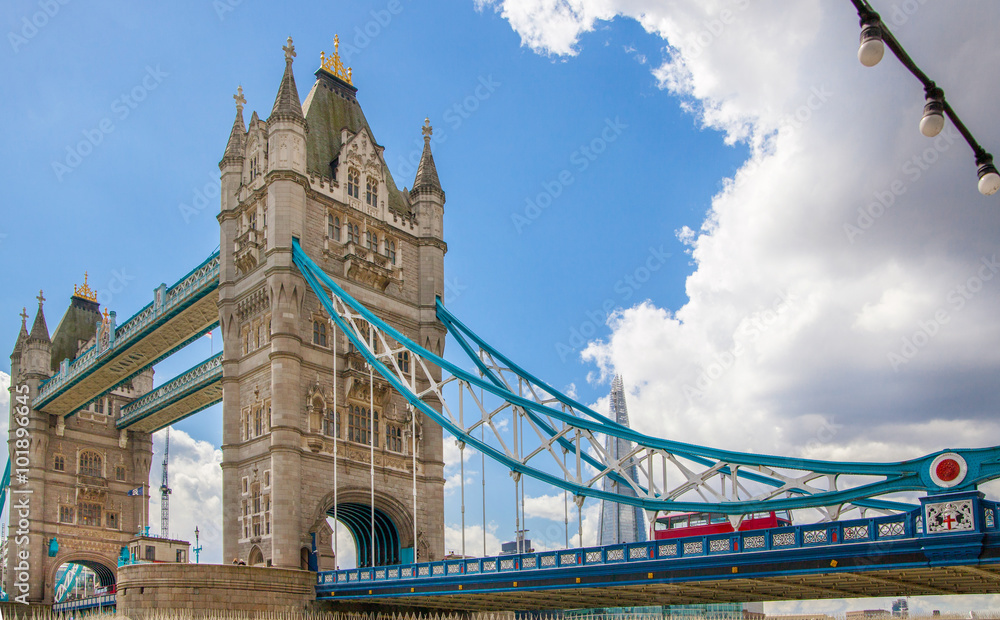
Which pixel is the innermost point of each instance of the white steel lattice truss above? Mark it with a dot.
(531, 427)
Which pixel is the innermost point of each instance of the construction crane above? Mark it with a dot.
(165, 491)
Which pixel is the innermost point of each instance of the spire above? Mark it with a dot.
(234, 148)
(287, 104)
(427, 175)
(39, 331)
(23, 334)
(620, 522)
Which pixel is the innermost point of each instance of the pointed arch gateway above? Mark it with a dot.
(393, 524)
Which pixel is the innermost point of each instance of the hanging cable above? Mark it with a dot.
(875, 36)
(336, 440)
(413, 433)
(371, 430)
(461, 455)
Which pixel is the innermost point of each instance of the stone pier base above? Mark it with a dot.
(145, 588)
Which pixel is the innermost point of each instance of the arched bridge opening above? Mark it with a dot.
(358, 520)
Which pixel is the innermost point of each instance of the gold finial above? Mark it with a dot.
(333, 65)
(427, 130)
(84, 292)
(106, 316)
(240, 99)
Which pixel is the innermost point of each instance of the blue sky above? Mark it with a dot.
(733, 156)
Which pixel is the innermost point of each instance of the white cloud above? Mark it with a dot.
(545, 507)
(473, 539)
(196, 498)
(890, 343)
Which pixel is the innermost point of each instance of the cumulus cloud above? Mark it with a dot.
(813, 305)
(196, 498)
(473, 539)
(842, 303)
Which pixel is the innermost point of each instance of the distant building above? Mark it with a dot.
(900, 608)
(620, 522)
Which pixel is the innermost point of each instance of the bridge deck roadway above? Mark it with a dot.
(876, 569)
(185, 395)
(160, 340)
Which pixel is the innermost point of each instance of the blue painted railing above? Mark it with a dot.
(835, 533)
(102, 601)
(203, 278)
(186, 383)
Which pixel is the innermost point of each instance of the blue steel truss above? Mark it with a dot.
(671, 475)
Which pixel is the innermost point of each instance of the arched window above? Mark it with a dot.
(353, 233)
(353, 182)
(91, 464)
(336, 229)
(390, 251)
(319, 333)
(371, 192)
(371, 240)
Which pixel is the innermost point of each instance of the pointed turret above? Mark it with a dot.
(36, 349)
(39, 330)
(287, 105)
(15, 356)
(237, 136)
(22, 335)
(427, 175)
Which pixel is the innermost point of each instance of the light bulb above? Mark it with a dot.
(933, 120)
(989, 180)
(872, 48)
(989, 183)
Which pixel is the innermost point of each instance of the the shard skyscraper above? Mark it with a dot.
(620, 522)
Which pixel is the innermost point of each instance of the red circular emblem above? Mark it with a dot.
(948, 470)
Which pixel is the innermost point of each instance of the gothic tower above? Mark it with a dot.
(314, 172)
(71, 476)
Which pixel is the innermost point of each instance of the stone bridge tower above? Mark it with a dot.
(71, 476)
(314, 172)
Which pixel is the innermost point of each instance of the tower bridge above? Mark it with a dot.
(327, 291)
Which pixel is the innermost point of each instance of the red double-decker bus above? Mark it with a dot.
(703, 523)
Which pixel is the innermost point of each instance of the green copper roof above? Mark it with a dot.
(329, 108)
(79, 323)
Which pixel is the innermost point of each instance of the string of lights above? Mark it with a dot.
(875, 36)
